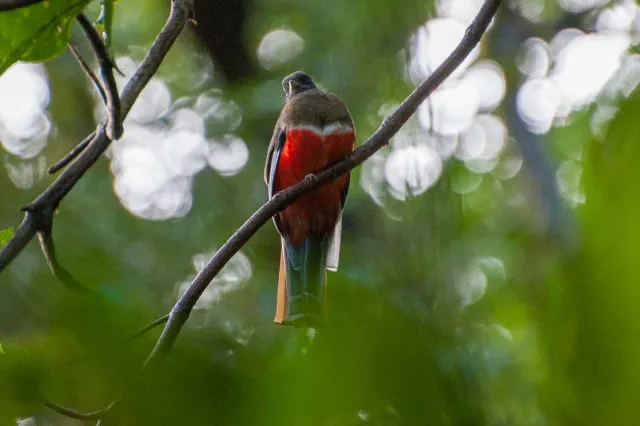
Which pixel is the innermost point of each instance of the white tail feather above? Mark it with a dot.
(333, 253)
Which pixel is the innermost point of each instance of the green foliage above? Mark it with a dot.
(38, 32)
(607, 283)
(5, 235)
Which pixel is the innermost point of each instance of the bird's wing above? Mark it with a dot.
(344, 192)
(271, 165)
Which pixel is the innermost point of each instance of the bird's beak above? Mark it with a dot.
(292, 85)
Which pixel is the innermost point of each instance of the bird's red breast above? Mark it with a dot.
(309, 149)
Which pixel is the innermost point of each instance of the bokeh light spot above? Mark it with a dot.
(434, 41)
(228, 156)
(24, 98)
(233, 277)
(279, 47)
(537, 102)
(534, 58)
(488, 78)
(412, 170)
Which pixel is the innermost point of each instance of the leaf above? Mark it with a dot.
(38, 32)
(5, 235)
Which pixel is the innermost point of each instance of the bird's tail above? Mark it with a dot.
(302, 282)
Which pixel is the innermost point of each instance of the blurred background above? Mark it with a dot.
(489, 271)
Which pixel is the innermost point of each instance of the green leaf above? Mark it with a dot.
(38, 32)
(5, 235)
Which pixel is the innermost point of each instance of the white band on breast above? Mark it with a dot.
(329, 129)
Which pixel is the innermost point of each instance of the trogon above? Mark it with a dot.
(314, 130)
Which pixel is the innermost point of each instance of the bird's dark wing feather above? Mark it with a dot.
(345, 191)
(271, 165)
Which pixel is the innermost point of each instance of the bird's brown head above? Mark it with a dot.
(296, 83)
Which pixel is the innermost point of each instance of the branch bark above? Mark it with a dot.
(47, 202)
(381, 137)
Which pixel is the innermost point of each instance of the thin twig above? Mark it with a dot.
(88, 72)
(6, 5)
(150, 326)
(114, 123)
(98, 142)
(141, 332)
(41, 221)
(389, 127)
(71, 155)
(48, 249)
(75, 414)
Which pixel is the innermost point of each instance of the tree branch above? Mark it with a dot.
(21, 237)
(6, 5)
(50, 198)
(114, 122)
(389, 127)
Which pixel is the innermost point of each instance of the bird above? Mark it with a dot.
(314, 130)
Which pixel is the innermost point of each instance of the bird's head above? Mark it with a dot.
(296, 83)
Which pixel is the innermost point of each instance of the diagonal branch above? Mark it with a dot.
(48, 201)
(6, 5)
(381, 137)
(21, 237)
